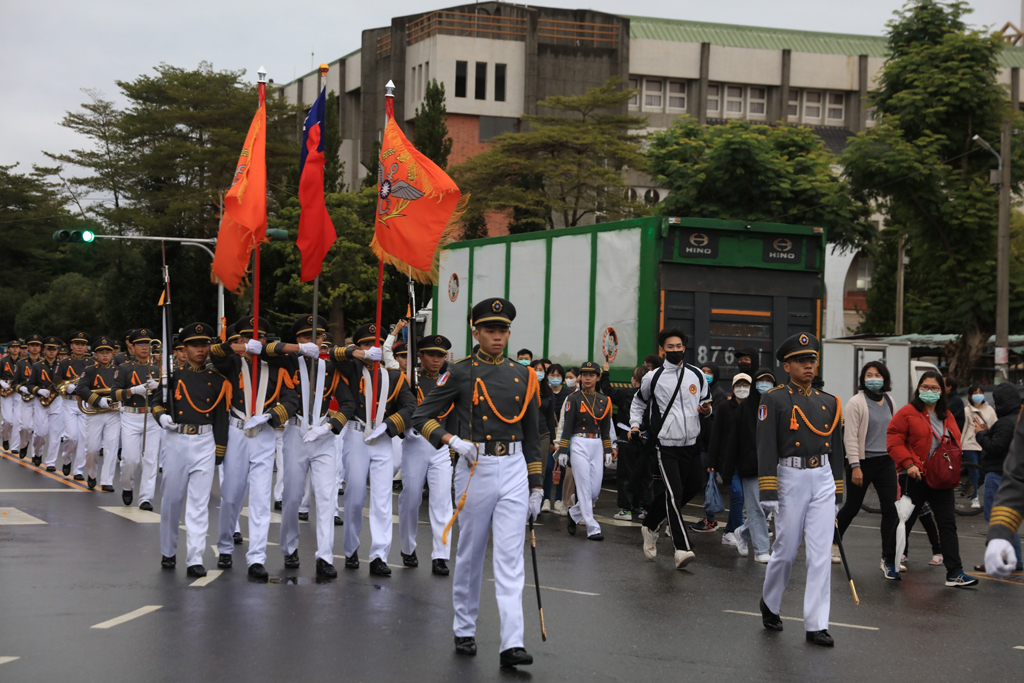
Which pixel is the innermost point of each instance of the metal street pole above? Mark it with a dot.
(1003, 262)
(900, 262)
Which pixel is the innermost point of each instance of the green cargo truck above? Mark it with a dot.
(602, 292)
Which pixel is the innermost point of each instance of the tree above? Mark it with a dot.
(71, 302)
(334, 167)
(920, 166)
(566, 169)
(431, 126)
(756, 172)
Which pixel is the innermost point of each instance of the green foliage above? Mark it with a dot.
(71, 302)
(566, 168)
(334, 168)
(755, 172)
(431, 126)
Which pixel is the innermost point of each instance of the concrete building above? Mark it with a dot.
(497, 60)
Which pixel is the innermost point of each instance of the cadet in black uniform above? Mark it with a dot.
(135, 383)
(1007, 511)
(103, 421)
(586, 436)
(49, 420)
(9, 400)
(498, 477)
(800, 463)
(195, 416)
(69, 371)
(22, 435)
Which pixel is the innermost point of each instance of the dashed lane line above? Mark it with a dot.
(5, 660)
(142, 611)
(559, 590)
(133, 513)
(831, 623)
(211, 576)
(38, 490)
(26, 463)
(15, 517)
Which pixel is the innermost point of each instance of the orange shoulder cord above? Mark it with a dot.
(99, 381)
(794, 425)
(532, 387)
(607, 410)
(181, 391)
(277, 390)
(401, 381)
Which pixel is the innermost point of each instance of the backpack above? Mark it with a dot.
(942, 467)
(654, 418)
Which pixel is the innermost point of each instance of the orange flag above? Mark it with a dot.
(244, 222)
(418, 206)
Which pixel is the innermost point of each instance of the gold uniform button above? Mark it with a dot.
(797, 443)
(823, 407)
(517, 380)
(513, 437)
(488, 437)
(518, 399)
(826, 444)
(485, 418)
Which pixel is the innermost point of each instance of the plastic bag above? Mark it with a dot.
(712, 498)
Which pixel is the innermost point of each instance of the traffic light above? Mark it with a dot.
(277, 235)
(74, 236)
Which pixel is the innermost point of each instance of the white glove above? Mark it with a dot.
(23, 390)
(45, 393)
(1000, 559)
(536, 497)
(257, 420)
(464, 448)
(838, 508)
(376, 433)
(138, 390)
(152, 385)
(309, 350)
(5, 385)
(316, 432)
(770, 507)
(104, 402)
(373, 353)
(165, 421)
(608, 460)
(563, 459)
(254, 347)
(69, 389)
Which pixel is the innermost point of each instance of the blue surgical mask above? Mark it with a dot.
(929, 397)
(540, 375)
(978, 399)
(524, 362)
(709, 378)
(874, 383)
(555, 381)
(763, 386)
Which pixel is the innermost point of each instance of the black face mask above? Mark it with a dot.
(744, 364)
(674, 357)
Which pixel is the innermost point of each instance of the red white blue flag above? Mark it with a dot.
(316, 231)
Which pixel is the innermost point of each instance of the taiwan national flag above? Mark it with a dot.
(316, 231)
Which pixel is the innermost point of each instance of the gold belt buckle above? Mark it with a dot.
(812, 461)
(500, 449)
(191, 429)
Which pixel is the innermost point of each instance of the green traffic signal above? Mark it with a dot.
(88, 235)
(74, 236)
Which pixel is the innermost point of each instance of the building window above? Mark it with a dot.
(836, 106)
(500, 71)
(677, 95)
(480, 89)
(426, 74)
(634, 101)
(793, 106)
(757, 102)
(461, 69)
(812, 105)
(714, 98)
(865, 269)
(652, 197)
(733, 100)
(653, 98)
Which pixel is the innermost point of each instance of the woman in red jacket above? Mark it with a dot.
(913, 434)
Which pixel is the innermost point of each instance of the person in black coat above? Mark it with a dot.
(632, 474)
(723, 426)
(719, 397)
(995, 444)
(955, 403)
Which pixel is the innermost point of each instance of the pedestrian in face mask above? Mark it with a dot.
(747, 360)
(725, 422)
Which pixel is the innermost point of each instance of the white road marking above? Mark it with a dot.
(15, 517)
(1015, 647)
(4, 660)
(39, 491)
(142, 611)
(211, 575)
(134, 514)
(560, 590)
(831, 623)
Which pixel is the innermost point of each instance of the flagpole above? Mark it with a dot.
(411, 363)
(262, 88)
(389, 104)
(314, 410)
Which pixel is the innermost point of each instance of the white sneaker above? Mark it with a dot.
(572, 499)
(684, 557)
(624, 514)
(837, 558)
(545, 506)
(650, 542)
(729, 538)
(560, 508)
(975, 504)
(741, 546)
(763, 558)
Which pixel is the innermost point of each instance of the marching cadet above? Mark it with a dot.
(23, 436)
(195, 416)
(1007, 511)
(49, 422)
(368, 449)
(400, 358)
(128, 353)
(69, 371)
(249, 461)
(232, 338)
(498, 476)
(422, 462)
(180, 354)
(586, 437)
(135, 381)
(103, 419)
(800, 462)
(10, 405)
(309, 449)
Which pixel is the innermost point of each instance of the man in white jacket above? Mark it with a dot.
(681, 395)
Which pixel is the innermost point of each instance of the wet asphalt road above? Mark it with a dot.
(611, 615)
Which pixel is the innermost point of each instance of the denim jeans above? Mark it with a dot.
(973, 472)
(735, 504)
(756, 526)
(992, 481)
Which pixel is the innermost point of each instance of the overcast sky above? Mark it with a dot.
(50, 50)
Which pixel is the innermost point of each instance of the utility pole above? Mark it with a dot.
(900, 264)
(1003, 262)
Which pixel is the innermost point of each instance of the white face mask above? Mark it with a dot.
(571, 383)
(764, 386)
(741, 392)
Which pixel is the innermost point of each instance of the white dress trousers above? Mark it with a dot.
(74, 435)
(132, 425)
(10, 413)
(248, 466)
(364, 460)
(102, 431)
(422, 463)
(49, 427)
(317, 461)
(807, 509)
(498, 502)
(187, 481)
(587, 458)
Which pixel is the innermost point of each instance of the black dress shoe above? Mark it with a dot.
(168, 562)
(352, 561)
(277, 505)
(23, 453)
(595, 537)
(258, 571)
(36, 460)
(303, 516)
(516, 656)
(197, 570)
(820, 638)
(127, 496)
(107, 488)
(326, 569)
(224, 561)
(410, 560)
(570, 526)
(78, 477)
(7, 446)
(397, 486)
(338, 521)
(465, 646)
(92, 483)
(292, 561)
(51, 468)
(236, 538)
(439, 568)
(770, 620)
(379, 567)
(146, 505)
(66, 469)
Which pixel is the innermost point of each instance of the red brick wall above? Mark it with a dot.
(465, 133)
